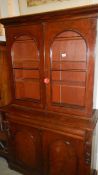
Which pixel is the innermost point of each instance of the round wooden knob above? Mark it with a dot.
(46, 80)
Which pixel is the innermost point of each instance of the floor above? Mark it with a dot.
(4, 170)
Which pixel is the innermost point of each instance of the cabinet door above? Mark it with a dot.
(25, 147)
(25, 48)
(69, 52)
(61, 155)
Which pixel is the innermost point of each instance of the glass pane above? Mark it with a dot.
(27, 89)
(25, 63)
(25, 53)
(68, 65)
(66, 45)
(27, 84)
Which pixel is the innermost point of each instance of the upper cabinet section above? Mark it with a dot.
(51, 58)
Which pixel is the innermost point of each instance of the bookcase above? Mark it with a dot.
(51, 60)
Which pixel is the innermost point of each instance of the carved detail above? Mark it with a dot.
(88, 144)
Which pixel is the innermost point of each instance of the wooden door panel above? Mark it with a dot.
(61, 158)
(27, 155)
(26, 144)
(60, 155)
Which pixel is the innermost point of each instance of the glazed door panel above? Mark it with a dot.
(27, 62)
(60, 155)
(25, 147)
(68, 66)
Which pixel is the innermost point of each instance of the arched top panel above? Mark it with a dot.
(24, 52)
(68, 46)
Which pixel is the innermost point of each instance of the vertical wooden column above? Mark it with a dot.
(5, 93)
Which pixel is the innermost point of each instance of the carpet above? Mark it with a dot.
(4, 170)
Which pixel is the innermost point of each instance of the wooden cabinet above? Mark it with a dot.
(51, 60)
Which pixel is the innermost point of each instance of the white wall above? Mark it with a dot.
(95, 106)
(9, 8)
(4, 8)
(95, 99)
(52, 6)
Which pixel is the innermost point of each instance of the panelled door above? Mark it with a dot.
(25, 147)
(62, 155)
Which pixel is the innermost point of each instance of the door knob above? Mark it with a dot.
(46, 80)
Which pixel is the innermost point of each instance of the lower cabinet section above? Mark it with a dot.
(43, 152)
